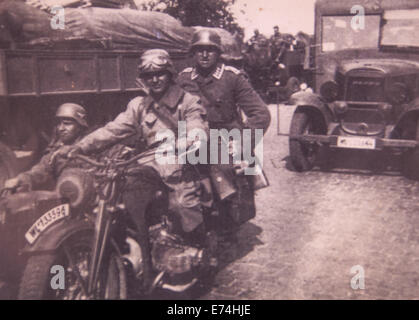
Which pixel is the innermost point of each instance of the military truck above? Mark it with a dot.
(366, 83)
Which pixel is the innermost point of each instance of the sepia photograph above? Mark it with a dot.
(209, 150)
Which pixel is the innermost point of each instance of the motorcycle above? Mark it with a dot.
(83, 229)
(45, 230)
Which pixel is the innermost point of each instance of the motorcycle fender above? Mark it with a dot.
(54, 236)
(307, 101)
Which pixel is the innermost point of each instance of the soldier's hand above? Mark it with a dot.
(12, 184)
(240, 168)
(234, 148)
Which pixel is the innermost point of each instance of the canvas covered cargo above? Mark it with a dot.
(28, 27)
(92, 27)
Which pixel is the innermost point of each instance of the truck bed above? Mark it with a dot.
(38, 73)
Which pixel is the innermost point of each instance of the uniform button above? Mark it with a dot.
(219, 179)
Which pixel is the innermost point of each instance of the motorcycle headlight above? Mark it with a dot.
(77, 186)
(329, 91)
(398, 93)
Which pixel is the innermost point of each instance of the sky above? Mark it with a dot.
(291, 16)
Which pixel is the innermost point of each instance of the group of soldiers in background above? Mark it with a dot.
(278, 43)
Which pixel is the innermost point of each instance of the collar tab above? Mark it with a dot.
(218, 73)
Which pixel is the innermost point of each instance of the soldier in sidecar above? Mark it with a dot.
(71, 126)
(17, 211)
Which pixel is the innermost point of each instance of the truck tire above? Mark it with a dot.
(7, 164)
(37, 275)
(303, 154)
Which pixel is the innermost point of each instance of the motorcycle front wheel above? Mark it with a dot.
(64, 274)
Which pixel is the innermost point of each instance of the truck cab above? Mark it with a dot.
(366, 83)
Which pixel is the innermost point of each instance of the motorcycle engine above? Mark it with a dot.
(77, 186)
(170, 254)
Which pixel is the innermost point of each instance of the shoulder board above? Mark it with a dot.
(232, 69)
(188, 69)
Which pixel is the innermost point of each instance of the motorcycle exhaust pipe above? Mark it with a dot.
(179, 288)
(135, 256)
(159, 283)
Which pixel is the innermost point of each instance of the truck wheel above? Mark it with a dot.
(7, 164)
(303, 154)
(74, 256)
(410, 160)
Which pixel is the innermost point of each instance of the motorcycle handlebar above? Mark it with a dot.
(90, 161)
(118, 164)
(124, 163)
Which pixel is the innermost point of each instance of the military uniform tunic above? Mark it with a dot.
(140, 118)
(230, 93)
(225, 93)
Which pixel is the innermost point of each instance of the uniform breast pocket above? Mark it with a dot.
(148, 127)
(150, 119)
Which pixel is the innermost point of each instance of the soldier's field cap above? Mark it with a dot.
(72, 111)
(155, 60)
(207, 38)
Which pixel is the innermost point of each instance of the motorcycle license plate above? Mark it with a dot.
(356, 143)
(47, 219)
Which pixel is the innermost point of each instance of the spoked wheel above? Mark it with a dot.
(74, 257)
(304, 154)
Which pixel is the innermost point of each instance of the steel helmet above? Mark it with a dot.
(72, 111)
(156, 60)
(206, 38)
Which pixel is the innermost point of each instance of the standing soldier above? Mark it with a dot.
(257, 40)
(277, 34)
(276, 44)
(225, 92)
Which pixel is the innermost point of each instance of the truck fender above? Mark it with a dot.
(312, 103)
(411, 113)
(54, 236)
